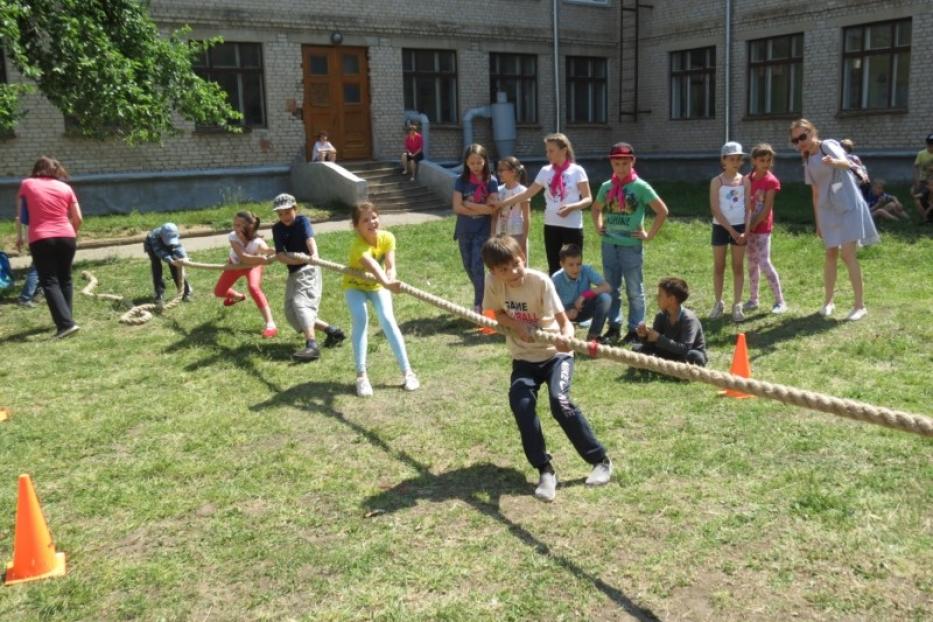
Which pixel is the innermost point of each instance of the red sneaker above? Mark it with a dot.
(229, 302)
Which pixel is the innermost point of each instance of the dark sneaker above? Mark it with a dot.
(334, 338)
(630, 337)
(612, 335)
(307, 354)
(27, 304)
(67, 332)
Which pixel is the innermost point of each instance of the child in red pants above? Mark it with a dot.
(249, 250)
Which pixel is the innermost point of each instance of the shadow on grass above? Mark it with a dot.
(25, 335)
(480, 486)
(768, 340)
(447, 324)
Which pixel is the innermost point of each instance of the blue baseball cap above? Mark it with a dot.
(169, 234)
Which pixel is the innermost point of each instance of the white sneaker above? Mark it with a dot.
(363, 388)
(779, 308)
(718, 308)
(547, 487)
(737, 314)
(857, 314)
(750, 305)
(827, 309)
(411, 382)
(600, 474)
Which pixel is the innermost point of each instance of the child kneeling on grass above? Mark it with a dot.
(373, 251)
(525, 300)
(582, 291)
(677, 333)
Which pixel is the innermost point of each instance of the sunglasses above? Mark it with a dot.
(800, 138)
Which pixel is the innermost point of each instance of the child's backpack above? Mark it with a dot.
(6, 272)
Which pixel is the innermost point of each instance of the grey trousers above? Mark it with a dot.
(303, 297)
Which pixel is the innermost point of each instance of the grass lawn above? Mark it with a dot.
(190, 470)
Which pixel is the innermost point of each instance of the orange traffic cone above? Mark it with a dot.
(740, 367)
(492, 316)
(34, 555)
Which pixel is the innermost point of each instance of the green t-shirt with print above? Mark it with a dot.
(621, 219)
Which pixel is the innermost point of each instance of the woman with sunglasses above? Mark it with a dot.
(842, 217)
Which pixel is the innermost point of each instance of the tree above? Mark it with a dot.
(104, 64)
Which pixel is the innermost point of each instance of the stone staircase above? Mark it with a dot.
(393, 192)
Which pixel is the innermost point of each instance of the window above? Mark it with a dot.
(693, 84)
(876, 66)
(515, 75)
(587, 95)
(430, 83)
(775, 75)
(237, 68)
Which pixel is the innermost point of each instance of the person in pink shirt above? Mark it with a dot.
(414, 152)
(54, 219)
(760, 188)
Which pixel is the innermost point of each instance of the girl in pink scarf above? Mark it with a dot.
(474, 192)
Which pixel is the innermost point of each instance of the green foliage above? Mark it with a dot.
(105, 64)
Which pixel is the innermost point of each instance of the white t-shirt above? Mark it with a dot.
(318, 147)
(512, 221)
(251, 248)
(534, 302)
(732, 204)
(572, 176)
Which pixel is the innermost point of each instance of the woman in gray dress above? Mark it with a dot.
(843, 220)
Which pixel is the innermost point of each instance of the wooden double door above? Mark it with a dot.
(336, 99)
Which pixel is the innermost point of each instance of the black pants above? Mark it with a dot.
(694, 357)
(155, 264)
(53, 258)
(554, 238)
(557, 372)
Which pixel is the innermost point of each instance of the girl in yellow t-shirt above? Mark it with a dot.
(373, 251)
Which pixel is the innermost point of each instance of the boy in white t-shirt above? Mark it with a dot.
(323, 150)
(524, 300)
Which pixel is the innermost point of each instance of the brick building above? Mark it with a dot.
(658, 74)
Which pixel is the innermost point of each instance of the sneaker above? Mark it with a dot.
(737, 314)
(412, 178)
(159, 299)
(857, 314)
(411, 382)
(600, 474)
(67, 332)
(612, 335)
(547, 486)
(630, 337)
(229, 302)
(718, 308)
(750, 305)
(269, 332)
(186, 297)
(827, 309)
(307, 353)
(26, 304)
(779, 308)
(363, 388)
(585, 323)
(334, 338)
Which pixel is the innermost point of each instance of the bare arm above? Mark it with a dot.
(598, 217)
(660, 215)
(522, 197)
(586, 199)
(385, 277)
(74, 216)
(566, 331)
(526, 217)
(769, 205)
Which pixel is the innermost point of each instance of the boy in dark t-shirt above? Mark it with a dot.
(676, 333)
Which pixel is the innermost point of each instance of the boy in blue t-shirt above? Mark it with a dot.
(583, 292)
(624, 198)
(294, 239)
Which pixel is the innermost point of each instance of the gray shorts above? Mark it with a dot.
(303, 297)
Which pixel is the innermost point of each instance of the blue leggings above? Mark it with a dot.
(381, 300)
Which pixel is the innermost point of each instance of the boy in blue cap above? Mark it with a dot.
(164, 244)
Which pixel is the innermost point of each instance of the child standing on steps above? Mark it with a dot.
(760, 188)
(524, 300)
(730, 220)
(513, 221)
(373, 251)
(474, 190)
(247, 249)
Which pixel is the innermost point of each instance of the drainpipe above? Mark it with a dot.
(480, 111)
(727, 69)
(425, 128)
(554, 12)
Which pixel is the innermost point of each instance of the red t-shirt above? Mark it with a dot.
(413, 143)
(760, 188)
(48, 202)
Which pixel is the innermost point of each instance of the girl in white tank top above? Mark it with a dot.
(730, 219)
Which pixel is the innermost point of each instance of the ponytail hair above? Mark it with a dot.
(563, 142)
(517, 167)
(252, 223)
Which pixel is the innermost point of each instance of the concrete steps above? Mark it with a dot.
(393, 192)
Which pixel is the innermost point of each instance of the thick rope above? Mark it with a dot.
(140, 314)
(852, 409)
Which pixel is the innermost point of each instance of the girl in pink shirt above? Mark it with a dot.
(760, 187)
(414, 152)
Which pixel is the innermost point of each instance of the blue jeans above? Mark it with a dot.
(470, 247)
(31, 286)
(381, 300)
(625, 262)
(598, 309)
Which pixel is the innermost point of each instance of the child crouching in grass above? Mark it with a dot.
(524, 300)
(676, 333)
